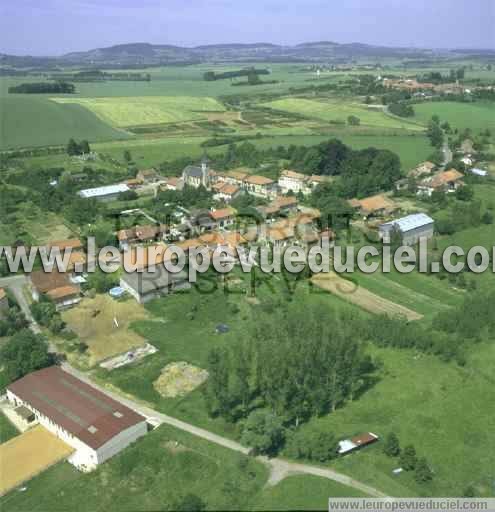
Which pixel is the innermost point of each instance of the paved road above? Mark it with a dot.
(16, 285)
(447, 153)
(279, 468)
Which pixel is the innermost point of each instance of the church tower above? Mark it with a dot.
(204, 171)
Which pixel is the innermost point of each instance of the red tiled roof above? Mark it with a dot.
(75, 406)
(63, 292)
(46, 281)
(223, 213)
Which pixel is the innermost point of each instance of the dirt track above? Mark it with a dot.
(362, 297)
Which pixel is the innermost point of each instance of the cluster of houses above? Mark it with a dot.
(225, 186)
(413, 86)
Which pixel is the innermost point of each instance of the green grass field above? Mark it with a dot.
(158, 470)
(7, 430)
(477, 116)
(339, 111)
(442, 409)
(34, 121)
(143, 110)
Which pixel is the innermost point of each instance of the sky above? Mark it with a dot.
(55, 27)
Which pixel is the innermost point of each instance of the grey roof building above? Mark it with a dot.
(412, 228)
(153, 283)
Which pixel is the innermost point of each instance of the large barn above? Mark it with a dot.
(411, 228)
(94, 424)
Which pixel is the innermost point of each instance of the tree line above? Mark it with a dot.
(43, 88)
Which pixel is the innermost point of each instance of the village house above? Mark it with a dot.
(224, 217)
(141, 235)
(63, 290)
(300, 183)
(4, 303)
(225, 192)
(448, 181)
(201, 220)
(96, 426)
(234, 177)
(425, 168)
(411, 228)
(148, 176)
(376, 206)
(173, 183)
(260, 186)
(292, 181)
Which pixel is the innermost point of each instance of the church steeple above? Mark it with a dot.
(204, 170)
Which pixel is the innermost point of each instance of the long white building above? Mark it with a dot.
(95, 425)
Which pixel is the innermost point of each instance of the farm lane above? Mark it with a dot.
(279, 468)
(16, 285)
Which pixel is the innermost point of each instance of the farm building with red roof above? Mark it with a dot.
(95, 425)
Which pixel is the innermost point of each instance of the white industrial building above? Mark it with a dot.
(411, 228)
(92, 423)
(106, 193)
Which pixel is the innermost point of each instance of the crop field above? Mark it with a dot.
(362, 297)
(35, 121)
(37, 448)
(146, 110)
(477, 116)
(339, 112)
(7, 429)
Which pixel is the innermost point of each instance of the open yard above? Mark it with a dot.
(146, 110)
(340, 111)
(28, 454)
(95, 323)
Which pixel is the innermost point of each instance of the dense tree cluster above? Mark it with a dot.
(210, 76)
(43, 88)
(401, 109)
(24, 353)
(78, 148)
(294, 363)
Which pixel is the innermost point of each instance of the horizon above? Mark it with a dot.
(57, 28)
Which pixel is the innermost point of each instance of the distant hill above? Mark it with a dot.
(147, 54)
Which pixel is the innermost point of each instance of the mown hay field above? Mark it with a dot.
(146, 110)
(29, 454)
(339, 111)
(93, 320)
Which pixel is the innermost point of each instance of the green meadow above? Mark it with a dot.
(477, 116)
(160, 469)
(36, 121)
(339, 111)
